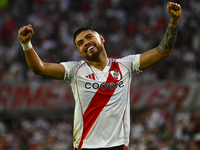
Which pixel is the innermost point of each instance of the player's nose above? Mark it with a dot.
(87, 44)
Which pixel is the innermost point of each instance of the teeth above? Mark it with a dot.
(90, 48)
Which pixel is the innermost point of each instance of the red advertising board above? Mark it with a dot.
(162, 94)
(35, 96)
(50, 96)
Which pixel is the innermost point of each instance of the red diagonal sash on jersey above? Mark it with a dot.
(99, 100)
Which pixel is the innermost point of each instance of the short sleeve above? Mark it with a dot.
(68, 69)
(136, 64)
(132, 62)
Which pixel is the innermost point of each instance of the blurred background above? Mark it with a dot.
(36, 113)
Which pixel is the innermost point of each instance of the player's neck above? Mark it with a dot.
(100, 63)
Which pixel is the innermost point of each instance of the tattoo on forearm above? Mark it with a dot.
(169, 38)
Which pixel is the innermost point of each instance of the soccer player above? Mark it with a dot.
(100, 85)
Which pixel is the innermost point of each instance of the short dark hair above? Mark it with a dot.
(80, 30)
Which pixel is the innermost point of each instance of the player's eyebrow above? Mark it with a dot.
(79, 42)
(88, 35)
(82, 39)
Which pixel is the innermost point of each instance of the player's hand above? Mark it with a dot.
(25, 33)
(174, 10)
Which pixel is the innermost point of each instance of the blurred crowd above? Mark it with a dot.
(151, 129)
(129, 27)
(35, 134)
(161, 129)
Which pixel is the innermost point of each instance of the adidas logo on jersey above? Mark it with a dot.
(91, 76)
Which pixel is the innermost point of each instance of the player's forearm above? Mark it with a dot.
(169, 39)
(34, 62)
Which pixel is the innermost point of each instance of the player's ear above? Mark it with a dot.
(102, 38)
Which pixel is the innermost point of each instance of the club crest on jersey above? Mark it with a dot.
(115, 74)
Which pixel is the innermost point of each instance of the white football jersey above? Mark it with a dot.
(102, 101)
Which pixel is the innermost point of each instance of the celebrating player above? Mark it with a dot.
(100, 85)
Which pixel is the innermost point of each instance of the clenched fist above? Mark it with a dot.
(25, 33)
(174, 10)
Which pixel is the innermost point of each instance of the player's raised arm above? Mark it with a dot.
(164, 49)
(51, 70)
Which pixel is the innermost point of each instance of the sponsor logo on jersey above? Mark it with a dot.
(104, 85)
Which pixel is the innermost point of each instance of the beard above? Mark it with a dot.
(95, 54)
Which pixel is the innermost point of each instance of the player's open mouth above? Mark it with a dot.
(90, 48)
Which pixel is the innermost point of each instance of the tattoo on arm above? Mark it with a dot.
(169, 38)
